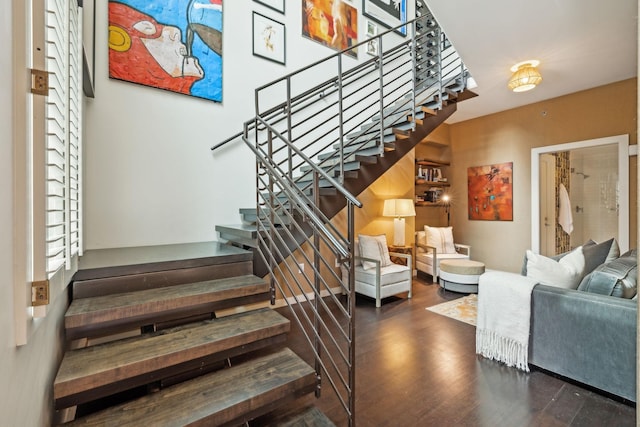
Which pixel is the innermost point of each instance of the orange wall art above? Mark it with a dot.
(491, 192)
(334, 23)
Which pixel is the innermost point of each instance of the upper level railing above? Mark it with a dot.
(310, 126)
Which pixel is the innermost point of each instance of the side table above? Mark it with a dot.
(403, 250)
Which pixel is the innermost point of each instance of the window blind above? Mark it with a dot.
(63, 133)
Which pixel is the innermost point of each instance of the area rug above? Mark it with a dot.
(463, 309)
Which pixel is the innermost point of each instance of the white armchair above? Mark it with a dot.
(435, 244)
(375, 275)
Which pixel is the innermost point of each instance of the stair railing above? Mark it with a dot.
(321, 300)
(309, 133)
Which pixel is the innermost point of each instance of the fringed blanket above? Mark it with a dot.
(504, 311)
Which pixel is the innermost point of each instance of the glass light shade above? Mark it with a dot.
(399, 208)
(525, 78)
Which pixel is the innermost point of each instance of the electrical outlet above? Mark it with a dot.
(40, 293)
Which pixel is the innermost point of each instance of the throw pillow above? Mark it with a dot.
(558, 257)
(617, 278)
(374, 247)
(565, 273)
(596, 254)
(440, 238)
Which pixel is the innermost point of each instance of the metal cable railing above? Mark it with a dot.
(308, 133)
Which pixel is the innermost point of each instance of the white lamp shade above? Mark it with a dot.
(399, 208)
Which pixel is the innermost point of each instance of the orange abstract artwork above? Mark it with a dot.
(491, 192)
(333, 23)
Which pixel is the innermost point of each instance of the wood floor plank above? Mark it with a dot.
(215, 399)
(94, 371)
(418, 368)
(92, 315)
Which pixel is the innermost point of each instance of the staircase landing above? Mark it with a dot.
(108, 271)
(98, 263)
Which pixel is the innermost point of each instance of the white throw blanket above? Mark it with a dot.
(504, 312)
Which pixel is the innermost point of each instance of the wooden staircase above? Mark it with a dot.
(163, 324)
(363, 163)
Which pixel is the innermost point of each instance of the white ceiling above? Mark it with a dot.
(581, 44)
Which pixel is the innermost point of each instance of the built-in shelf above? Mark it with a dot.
(420, 181)
(424, 183)
(430, 204)
(431, 162)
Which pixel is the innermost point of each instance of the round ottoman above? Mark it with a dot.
(460, 275)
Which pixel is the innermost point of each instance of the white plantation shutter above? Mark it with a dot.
(63, 133)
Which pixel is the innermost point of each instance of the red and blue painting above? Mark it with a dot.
(175, 45)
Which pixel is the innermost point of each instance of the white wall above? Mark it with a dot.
(150, 177)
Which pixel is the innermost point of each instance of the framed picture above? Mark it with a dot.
(269, 39)
(389, 13)
(372, 29)
(174, 46)
(277, 5)
(372, 47)
(490, 192)
(333, 24)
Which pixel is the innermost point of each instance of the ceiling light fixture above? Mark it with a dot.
(525, 76)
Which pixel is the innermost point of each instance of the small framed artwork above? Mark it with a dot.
(269, 40)
(372, 29)
(372, 47)
(277, 5)
(389, 13)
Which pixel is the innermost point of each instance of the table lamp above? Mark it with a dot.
(398, 209)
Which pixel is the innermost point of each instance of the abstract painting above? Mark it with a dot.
(175, 45)
(334, 23)
(491, 192)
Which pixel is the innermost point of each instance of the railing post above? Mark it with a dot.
(439, 53)
(414, 74)
(340, 119)
(381, 85)
(316, 285)
(272, 281)
(352, 314)
(289, 128)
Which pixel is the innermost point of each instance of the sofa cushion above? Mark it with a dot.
(440, 238)
(617, 278)
(374, 247)
(594, 253)
(564, 273)
(427, 258)
(389, 275)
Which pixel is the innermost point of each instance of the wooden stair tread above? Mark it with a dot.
(131, 308)
(309, 416)
(232, 395)
(139, 360)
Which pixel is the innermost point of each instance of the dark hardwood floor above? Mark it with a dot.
(418, 368)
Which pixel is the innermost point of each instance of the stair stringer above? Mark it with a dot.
(331, 205)
(369, 173)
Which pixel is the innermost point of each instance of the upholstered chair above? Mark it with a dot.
(435, 244)
(375, 275)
